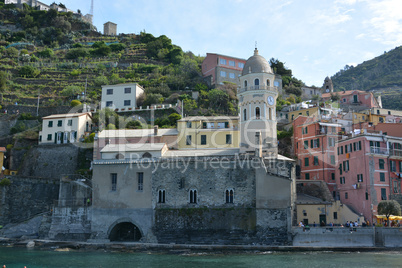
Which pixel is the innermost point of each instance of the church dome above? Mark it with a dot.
(256, 64)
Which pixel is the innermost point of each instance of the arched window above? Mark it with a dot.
(245, 83)
(161, 196)
(147, 155)
(193, 196)
(229, 196)
(257, 113)
(245, 114)
(268, 83)
(119, 156)
(257, 83)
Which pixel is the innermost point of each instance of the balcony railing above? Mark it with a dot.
(377, 150)
(250, 88)
(395, 152)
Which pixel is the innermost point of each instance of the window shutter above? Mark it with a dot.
(318, 143)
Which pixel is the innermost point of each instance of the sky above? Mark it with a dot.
(314, 38)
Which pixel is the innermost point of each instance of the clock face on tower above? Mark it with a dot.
(271, 100)
(327, 90)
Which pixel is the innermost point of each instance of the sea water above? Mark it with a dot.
(20, 257)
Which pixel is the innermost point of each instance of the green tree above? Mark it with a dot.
(101, 81)
(70, 91)
(388, 208)
(28, 71)
(133, 124)
(279, 67)
(117, 47)
(46, 53)
(75, 103)
(76, 53)
(173, 118)
(12, 52)
(3, 81)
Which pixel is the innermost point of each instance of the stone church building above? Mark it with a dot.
(150, 192)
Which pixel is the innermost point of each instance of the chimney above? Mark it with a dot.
(258, 145)
(155, 130)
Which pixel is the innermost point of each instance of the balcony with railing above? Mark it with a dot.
(395, 153)
(378, 150)
(262, 87)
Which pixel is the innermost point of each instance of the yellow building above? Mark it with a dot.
(204, 132)
(312, 210)
(313, 111)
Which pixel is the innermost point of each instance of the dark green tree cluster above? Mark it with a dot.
(47, 27)
(161, 48)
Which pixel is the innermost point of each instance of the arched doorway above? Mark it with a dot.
(125, 231)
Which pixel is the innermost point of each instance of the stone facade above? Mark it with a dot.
(260, 211)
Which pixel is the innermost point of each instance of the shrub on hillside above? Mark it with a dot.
(76, 53)
(5, 182)
(28, 71)
(75, 103)
(46, 53)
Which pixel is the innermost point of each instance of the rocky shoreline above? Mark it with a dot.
(173, 248)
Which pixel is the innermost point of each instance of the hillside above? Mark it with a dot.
(382, 75)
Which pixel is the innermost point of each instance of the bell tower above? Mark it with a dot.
(257, 105)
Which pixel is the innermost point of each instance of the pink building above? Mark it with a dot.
(363, 177)
(218, 68)
(314, 146)
(357, 98)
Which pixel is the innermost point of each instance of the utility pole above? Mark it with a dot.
(37, 108)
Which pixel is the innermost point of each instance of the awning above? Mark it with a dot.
(392, 217)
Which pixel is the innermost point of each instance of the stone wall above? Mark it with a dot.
(50, 161)
(333, 237)
(205, 225)
(210, 178)
(43, 111)
(26, 197)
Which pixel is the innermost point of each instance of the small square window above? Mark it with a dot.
(189, 124)
(223, 73)
(306, 162)
(222, 61)
(232, 75)
(232, 63)
(50, 124)
(127, 102)
(109, 91)
(59, 123)
(127, 90)
(109, 103)
(70, 122)
(240, 64)
(382, 176)
(307, 176)
(49, 137)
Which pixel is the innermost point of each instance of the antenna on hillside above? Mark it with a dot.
(91, 11)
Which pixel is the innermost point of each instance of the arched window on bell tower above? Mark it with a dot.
(257, 83)
(257, 113)
(268, 83)
(245, 83)
(245, 114)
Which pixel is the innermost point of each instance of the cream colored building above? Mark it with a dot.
(121, 97)
(257, 94)
(202, 132)
(64, 128)
(312, 210)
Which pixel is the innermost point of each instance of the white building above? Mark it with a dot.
(64, 128)
(121, 97)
